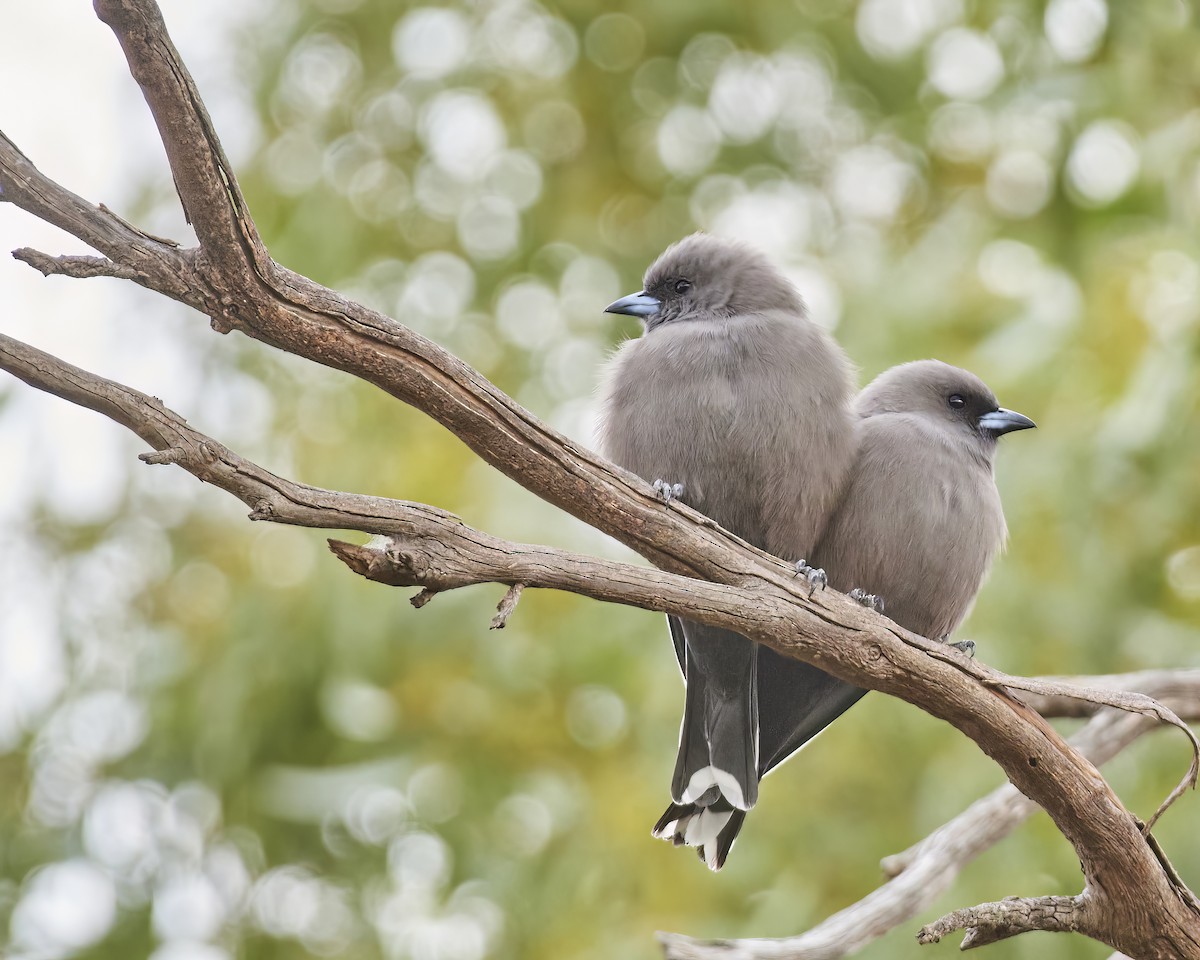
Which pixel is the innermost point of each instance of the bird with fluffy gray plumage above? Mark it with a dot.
(736, 400)
(919, 524)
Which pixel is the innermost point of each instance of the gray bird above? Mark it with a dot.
(919, 524)
(735, 400)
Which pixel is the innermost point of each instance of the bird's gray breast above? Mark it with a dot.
(920, 524)
(676, 407)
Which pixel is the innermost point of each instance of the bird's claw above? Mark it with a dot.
(814, 576)
(668, 491)
(965, 646)
(868, 600)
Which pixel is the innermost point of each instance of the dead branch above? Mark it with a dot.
(990, 922)
(921, 874)
(425, 539)
(1132, 899)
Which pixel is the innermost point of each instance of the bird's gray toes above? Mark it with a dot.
(966, 646)
(668, 491)
(869, 600)
(815, 576)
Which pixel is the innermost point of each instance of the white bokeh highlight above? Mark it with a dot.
(1076, 28)
(65, 907)
(1103, 163)
(964, 64)
(1019, 184)
(431, 41)
(894, 29)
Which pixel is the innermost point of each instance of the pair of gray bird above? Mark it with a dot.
(735, 400)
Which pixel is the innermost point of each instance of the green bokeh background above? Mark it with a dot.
(443, 792)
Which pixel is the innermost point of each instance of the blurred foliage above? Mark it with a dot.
(250, 752)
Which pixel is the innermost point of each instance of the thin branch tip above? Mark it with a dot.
(1010, 917)
(350, 554)
(423, 597)
(78, 266)
(1134, 901)
(162, 457)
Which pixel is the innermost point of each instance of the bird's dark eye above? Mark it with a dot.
(956, 401)
(683, 286)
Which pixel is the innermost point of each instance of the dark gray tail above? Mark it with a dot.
(793, 702)
(718, 741)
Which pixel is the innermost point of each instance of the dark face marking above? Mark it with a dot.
(943, 393)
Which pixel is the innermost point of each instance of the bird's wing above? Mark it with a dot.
(796, 701)
(679, 643)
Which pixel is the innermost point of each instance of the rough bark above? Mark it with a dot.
(919, 875)
(1132, 900)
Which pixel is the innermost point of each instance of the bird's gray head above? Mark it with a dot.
(705, 278)
(950, 396)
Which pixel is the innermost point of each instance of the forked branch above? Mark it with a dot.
(920, 875)
(706, 573)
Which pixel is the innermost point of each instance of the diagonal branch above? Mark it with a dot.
(212, 200)
(432, 548)
(80, 267)
(231, 278)
(990, 922)
(435, 550)
(157, 264)
(921, 874)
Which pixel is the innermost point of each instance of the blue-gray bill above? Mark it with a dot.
(1001, 421)
(639, 304)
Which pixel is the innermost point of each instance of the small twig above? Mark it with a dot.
(1131, 703)
(508, 603)
(81, 267)
(990, 922)
(168, 456)
(714, 577)
(423, 597)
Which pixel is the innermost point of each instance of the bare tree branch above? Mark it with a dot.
(212, 200)
(921, 874)
(435, 550)
(990, 922)
(74, 266)
(1132, 900)
(159, 265)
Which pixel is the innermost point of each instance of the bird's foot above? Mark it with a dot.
(814, 576)
(964, 646)
(868, 600)
(667, 491)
